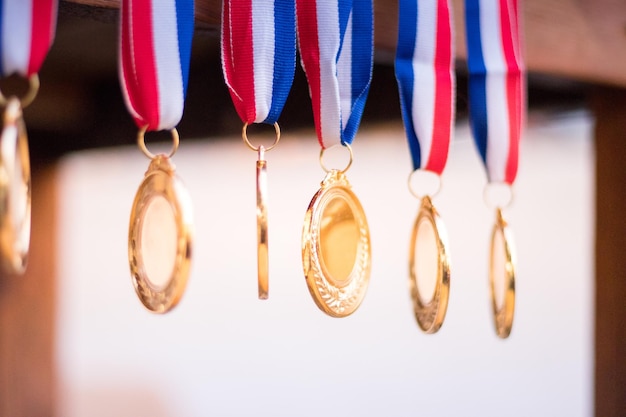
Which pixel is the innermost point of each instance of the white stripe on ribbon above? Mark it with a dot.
(263, 49)
(168, 71)
(425, 80)
(497, 101)
(329, 39)
(16, 35)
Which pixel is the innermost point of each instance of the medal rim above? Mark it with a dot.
(14, 260)
(430, 315)
(503, 316)
(161, 299)
(335, 300)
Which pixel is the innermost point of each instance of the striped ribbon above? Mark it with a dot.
(259, 56)
(27, 30)
(425, 72)
(336, 48)
(496, 84)
(155, 50)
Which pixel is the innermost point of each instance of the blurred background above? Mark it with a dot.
(75, 341)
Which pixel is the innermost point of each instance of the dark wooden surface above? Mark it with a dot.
(610, 322)
(27, 314)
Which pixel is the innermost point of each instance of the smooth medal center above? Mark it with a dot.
(339, 239)
(426, 265)
(158, 241)
(498, 268)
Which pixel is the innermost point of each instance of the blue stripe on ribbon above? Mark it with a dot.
(362, 60)
(185, 25)
(2, 74)
(407, 37)
(284, 56)
(477, 77)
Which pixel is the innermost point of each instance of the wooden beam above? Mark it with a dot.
(27, 313)
(610, 344)
(583, 40)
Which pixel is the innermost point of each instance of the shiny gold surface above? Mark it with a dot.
(261, 227)
(15, 191)
(430, 312)
(336, 251)
(502, 276)
(160, 183)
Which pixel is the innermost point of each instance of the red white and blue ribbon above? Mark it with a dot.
(259, 56)
(27, 29)
(336, 49)
(155, 50)
(425, 72)
(496, 84)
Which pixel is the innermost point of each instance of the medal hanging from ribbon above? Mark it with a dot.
(497, 111)
(27, 29)
(424, 68)
(258, 60)
(336, 48)
(155, 49)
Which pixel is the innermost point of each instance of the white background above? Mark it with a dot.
(222, 352)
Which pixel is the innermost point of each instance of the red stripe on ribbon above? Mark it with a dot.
(241, 57)
(309, 46)
(443, 92)
(145, 98)
(43, 28)
(510, 47)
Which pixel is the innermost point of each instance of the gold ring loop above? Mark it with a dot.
(492, 188)
(343, 171)
(244, 135)
(141, 142)
(418, 195)
(33, 88)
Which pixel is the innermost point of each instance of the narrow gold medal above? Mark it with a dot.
(160, 234)
(336, 249)
(502, 276)
(261, 211)
(429, 268)
(261, 227)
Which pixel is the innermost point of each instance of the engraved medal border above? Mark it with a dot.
(335, 300)
(503, 316)
(14, 242)
(160, 180)
(430, 315)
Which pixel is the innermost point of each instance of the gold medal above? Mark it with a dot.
(15, 185)
(160, 233)
(429, 268)
(15, 190)
(336, 248)
(261, 211)
(502, 276)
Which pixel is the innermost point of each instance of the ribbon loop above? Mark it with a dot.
(27, 29)
(259, 56)
(155, 50)
(336, 49)
(496, 84)
(425, 72)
